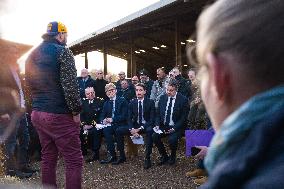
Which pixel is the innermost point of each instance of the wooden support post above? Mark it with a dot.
(132, 60)
(86, 60)
(178, 45)
(128, 69)
(105, 60)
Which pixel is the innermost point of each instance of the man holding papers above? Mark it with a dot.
(141, 113)
(90, 115)
(114, 116)
(170, 119)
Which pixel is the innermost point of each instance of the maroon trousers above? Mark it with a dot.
(58, 133)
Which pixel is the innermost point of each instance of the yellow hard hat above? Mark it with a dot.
(53, 28)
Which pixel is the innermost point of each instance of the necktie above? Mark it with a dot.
(112, 110)
(140, 113)
(84, 83)
(168, 116)
(161, 84)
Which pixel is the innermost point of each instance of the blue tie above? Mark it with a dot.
(84, 83)
(140, 113)
(168, 116)
(111, 112)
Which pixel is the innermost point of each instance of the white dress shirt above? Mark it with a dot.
(18, 81)
(172, 108)
(143, 120)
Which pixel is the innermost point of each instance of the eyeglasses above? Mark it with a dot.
(110, 90)
(100, 73)
(90, 93)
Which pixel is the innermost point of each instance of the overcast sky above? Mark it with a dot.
(25, 21)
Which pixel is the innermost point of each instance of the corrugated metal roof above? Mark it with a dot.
(131, 17)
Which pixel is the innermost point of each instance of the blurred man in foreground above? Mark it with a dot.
(241, 59)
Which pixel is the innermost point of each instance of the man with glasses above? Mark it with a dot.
(114, 115)
(100, 84)
(126, 91)
(135, 80)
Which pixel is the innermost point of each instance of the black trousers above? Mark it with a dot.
(122, 131)
(172, 140)
(92, 140)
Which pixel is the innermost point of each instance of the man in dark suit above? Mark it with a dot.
(126, 91)
(99, 85)
(170, 119)
(90, 115)
(114, 115)
(84, 81)
(141, 117)
(144, 78)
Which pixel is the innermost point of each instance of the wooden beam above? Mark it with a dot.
(132, 58)
(86, 60)
(158, 42)
(178, 46)
(128, 68)
(105, 59)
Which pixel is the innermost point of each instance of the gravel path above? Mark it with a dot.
(127, 175)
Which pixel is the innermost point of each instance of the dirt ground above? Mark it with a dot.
(127, 175)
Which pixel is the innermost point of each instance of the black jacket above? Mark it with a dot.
(91, 111)
(180, 111)
(120, 113)
(128, 93)
(148, 113)
(99, 87)
(83, 85)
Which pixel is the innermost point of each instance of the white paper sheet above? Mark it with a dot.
(137, 140)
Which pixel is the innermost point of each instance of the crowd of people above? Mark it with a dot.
(131, 111)
(240, 85)
(63, 113)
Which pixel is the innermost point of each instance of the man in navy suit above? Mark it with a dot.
(141, 117)
(114, 115)
(170, 119)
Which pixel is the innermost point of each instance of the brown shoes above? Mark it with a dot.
(200, 181)
(196, 173)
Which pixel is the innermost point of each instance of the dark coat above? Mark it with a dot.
(149, 85)
(148, 112)
(51, 77)
(83, 85)
(120, 113)
(91, 111)
(184, 87)
(128, 93)
(180, 111)
(99, 87)
(253, 161)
